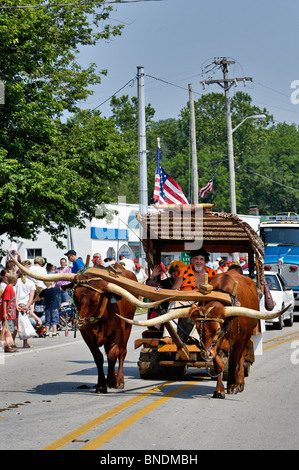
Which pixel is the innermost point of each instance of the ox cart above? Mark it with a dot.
(175, 230)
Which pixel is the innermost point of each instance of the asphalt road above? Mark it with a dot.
(47, 401)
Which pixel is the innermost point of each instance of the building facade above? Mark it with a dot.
(115, 234)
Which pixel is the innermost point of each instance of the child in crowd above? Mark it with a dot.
(51, 307)
(8, 308)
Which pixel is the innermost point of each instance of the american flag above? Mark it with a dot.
(203, 191)
(167, 190)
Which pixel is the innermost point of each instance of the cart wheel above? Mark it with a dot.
(149, 367)
(148, 363)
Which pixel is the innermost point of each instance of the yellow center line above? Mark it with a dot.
(283, 336)
(63, 441)
(280, 342)
(100, 440)
(118, 428)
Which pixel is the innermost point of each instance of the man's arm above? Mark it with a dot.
(178, 283)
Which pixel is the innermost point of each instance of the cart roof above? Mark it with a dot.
(180, 226)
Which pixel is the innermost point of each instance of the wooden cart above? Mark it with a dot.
(173, 230)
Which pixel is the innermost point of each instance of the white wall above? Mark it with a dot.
(83, 244)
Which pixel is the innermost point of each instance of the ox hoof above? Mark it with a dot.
(120, 386)
(219, 394)
(101, 389)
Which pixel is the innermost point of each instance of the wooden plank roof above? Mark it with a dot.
(183, 228)
(216, 230)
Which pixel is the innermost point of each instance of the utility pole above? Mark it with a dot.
(193, 146)
(143, 196)
(226, 84)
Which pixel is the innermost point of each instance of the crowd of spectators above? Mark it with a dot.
(42, 302)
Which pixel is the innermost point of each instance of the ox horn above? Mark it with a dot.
(45, 277)
(131, 298)
(248, 312)
(171, 315)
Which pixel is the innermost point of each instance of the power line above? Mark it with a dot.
(272, 181)
(131, 81)
(169, 83)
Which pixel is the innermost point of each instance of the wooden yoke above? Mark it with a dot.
(156, 293)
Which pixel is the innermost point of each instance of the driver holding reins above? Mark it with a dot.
(189, 278)
(193, 275)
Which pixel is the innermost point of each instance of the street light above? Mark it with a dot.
(231, 163)
(230, 132)
(260, 117)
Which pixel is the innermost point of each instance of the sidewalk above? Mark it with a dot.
(40, 343)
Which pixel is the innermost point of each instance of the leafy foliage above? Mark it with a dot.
(57, 171)
(53, 173)
(261, 150)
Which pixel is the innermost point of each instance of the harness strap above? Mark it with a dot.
(85, 283)
(80, 322)
(219, 320)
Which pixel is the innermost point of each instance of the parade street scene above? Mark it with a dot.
(149, 229)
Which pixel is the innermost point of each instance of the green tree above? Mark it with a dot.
(67, 182)
(52, 173)
(273, 175)
(261, 150)
(211, 141)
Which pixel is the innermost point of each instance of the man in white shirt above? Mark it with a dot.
(129, 264)
(139, 273)
(38, 268)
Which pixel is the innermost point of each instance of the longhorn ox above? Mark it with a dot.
(97, 303)
(223, 328)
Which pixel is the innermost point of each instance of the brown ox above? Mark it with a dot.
(227, 333)
(223, 328)
(97, 303)
(99, 326)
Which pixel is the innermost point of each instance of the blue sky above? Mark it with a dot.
(175, 39)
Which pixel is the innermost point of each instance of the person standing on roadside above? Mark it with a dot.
(51, 306)
(77, 262)
(8, 309)
(63, 295)
(97, 261)
(38, 268)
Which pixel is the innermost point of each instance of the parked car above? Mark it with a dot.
(282, 295)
